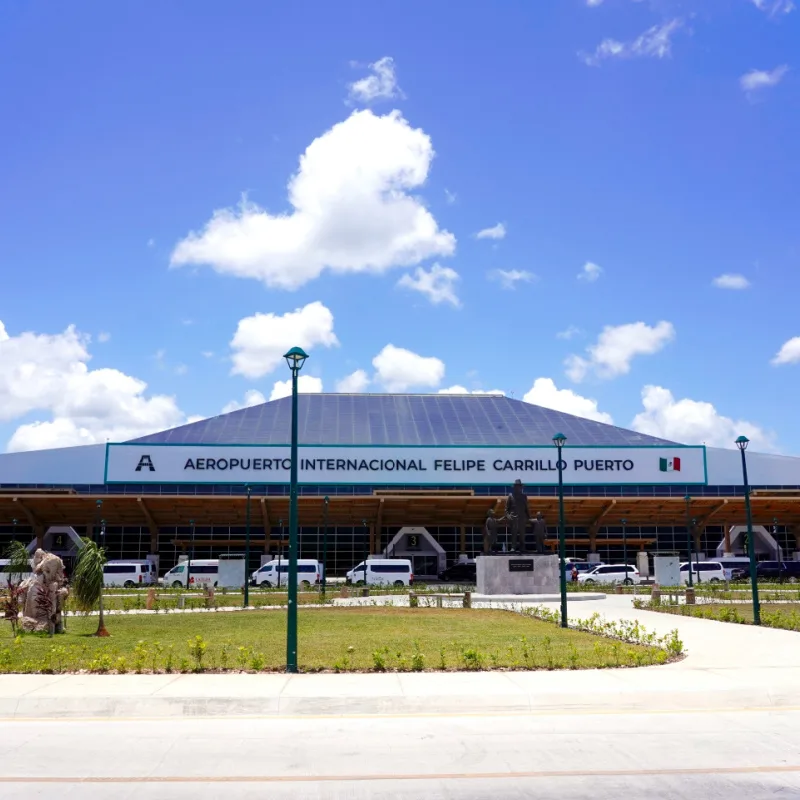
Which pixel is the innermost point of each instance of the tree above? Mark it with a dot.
(87, 581)
(18, 566)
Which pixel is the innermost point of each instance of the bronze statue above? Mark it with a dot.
(518, 515)
(490, 533)
(539, 531)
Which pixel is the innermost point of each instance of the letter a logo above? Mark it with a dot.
(145, 462)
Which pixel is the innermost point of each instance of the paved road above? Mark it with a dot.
(721, 754)
(723, 723)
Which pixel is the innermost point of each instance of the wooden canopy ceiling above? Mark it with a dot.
(162, 511)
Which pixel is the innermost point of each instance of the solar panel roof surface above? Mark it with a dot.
(386, 419)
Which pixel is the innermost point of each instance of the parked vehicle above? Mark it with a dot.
(391, 571)
(203, 572)
(779, 571)
(276, 573)
(17, 577)
(127, 574)
(704, 572)
(611, 573)
(736, 567)
(463, 571)
(581, 566)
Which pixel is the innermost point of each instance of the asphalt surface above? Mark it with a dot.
(725, 753)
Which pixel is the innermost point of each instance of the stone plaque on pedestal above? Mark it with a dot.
(517, 574)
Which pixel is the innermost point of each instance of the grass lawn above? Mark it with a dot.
(345, 639)
(773, 615)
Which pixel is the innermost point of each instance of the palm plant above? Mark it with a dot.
(87, 581)
(18, 565)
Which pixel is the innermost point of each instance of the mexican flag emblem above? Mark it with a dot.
(669, 464)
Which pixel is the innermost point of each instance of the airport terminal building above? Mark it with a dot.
(404, 475)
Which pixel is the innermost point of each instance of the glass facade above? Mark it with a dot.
(348, 545)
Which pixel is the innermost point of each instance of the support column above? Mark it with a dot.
(39, 531)
(727, 535)
(795, 530)
(594, 556)
(463, 540)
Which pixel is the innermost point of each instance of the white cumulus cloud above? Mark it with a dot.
(694, 422)
(399, 370)
(261, 340)
(731, 281)
(49, 373)
(380, 84)
(617, 346)
(509, 278)
(306, 384)
(495, 232)
(354, 383)
(351, 211)
(762, 79)
(438, 284)
(789, 352)
(463, 390)
(252, 397)
(655, 42)
(545, 393)
(590, 272)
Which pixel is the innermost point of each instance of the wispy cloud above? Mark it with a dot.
(772, 8)
(568, 333)
(731, 281)
(655, 42)
(438, 284)
(496, 232)
(451, 197)
(380, 85)
(509, 278)
(758, 79)
(590, 272)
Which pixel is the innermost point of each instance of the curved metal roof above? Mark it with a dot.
(386, 419)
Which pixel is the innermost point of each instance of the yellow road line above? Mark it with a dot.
(569, 712)
(440, 776)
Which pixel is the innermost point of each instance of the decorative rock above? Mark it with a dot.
(42, 595)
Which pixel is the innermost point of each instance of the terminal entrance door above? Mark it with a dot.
(425, 566)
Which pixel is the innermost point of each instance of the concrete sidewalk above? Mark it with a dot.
(726, 666)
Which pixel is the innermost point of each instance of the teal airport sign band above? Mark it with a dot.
(388, 465)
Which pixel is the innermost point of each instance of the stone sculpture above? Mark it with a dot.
(517, 514)
(490, 533)
(539, 531)
(42, 595)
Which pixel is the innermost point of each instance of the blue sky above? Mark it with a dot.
(655, 140)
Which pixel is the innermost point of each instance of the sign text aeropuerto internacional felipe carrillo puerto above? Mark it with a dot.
(399, 465)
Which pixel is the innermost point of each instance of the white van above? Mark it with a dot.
(704, 572)
(276, 573)
(391, 571)
(202, 572)
(127, 574)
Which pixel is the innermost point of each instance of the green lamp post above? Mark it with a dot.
(625, 548)
(324, 544)
(688, 501)
(295, 358)
(559, 440)
(247, 550)
(742, 443)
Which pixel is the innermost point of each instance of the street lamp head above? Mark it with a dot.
(559, 440)
(99, 503)
(295, 358)
(742, 442)
(688, 498)
(624, 521)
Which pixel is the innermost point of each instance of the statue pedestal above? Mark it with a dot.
(517, 574)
